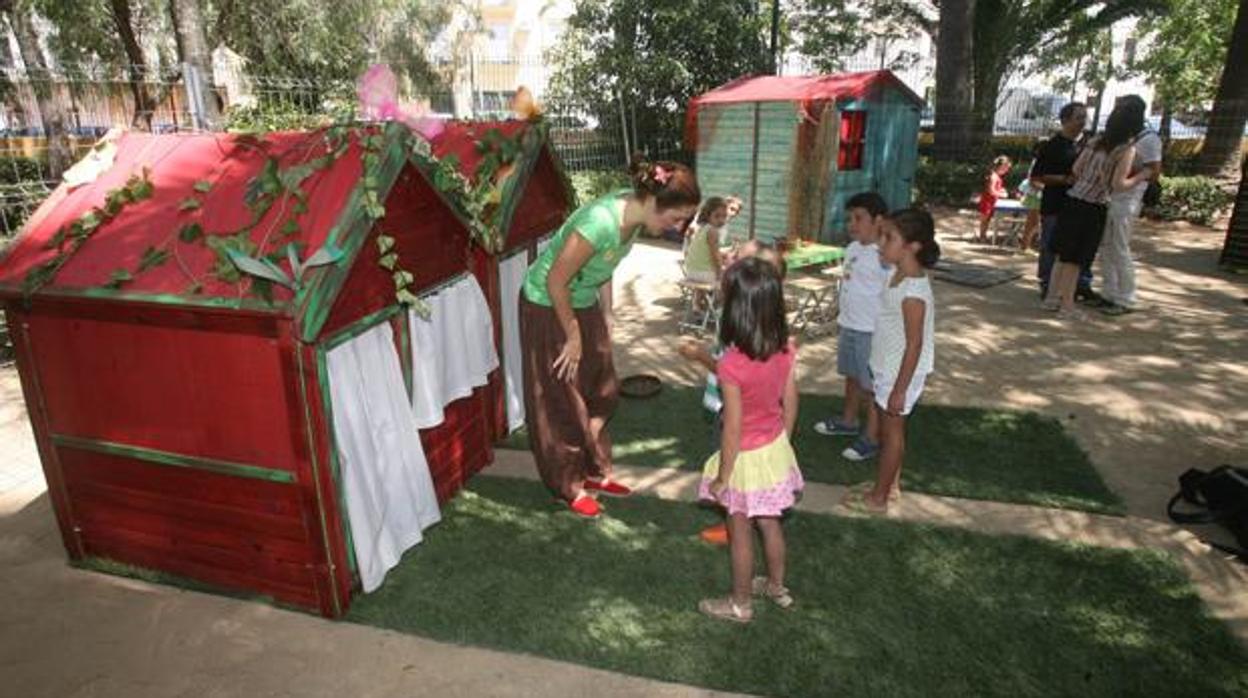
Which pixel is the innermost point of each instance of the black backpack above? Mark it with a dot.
(1216, 497)
(1152, 194)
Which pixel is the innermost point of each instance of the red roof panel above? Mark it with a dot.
(175, 163)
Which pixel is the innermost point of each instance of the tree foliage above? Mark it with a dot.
(656, 55)
(1183, 49)
(84, 41)
(331, 41)
(830, 31)
(1011, 37)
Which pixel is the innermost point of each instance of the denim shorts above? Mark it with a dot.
(853, 356)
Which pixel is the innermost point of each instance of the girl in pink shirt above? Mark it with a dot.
(754, 476)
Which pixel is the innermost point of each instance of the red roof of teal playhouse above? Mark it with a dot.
(225, 165)
(805, 89)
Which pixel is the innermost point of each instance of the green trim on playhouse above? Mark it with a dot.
(352, 230)
(316, 483)
(151, 455)
(360, 326)
(513, 189)
(335, 468)
(170, 299)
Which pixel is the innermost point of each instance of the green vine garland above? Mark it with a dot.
(137, 188)
(478, 198)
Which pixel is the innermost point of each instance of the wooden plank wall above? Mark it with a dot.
(174, 441)
(725, 155)
(777, 134)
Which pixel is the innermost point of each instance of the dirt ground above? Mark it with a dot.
(1148, 395)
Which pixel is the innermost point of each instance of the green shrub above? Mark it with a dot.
(1017, 148)
(592, 184)
(1195, 199)
(951, 183)
(269, 116)
(22, 187)
(16, 169)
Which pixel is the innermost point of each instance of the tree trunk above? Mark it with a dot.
(138, 66)
(1167, 122)
(12, 101)
(51, 110)
(775, 37)
(189, 26)
(987, 92)
(1096, 110)
(1074, 82)
(1220, 154)
(954, 86)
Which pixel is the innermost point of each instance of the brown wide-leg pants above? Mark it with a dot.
(558, 413)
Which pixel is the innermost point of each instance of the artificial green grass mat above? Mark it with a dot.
(995, 455)
(884, 608)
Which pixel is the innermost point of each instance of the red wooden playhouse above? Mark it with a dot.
(176, 315)
(534, 198)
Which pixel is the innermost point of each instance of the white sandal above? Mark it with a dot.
(779, 595)
(726, 609)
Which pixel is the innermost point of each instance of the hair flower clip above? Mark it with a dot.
(661, 174)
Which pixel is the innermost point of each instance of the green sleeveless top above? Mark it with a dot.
(599, 223)
(698, 255)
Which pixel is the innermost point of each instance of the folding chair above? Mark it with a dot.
(700, 307)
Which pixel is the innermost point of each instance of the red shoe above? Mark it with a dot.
(611, 488)
(585, 507)
(715, 535)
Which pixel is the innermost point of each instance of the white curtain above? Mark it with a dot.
(511, 279)
(544, 243)
(388, 490)
(453, 351)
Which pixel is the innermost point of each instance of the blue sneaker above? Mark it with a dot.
(861, 450)
(835, 427)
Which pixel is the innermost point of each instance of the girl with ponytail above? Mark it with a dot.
(570, 388)
(902, 346)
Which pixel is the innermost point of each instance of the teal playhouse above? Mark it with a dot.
(794, 149)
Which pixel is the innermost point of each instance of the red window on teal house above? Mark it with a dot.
(853, 140)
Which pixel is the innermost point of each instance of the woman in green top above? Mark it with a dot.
(570, 388)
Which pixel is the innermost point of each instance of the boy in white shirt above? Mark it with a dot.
(861, 287)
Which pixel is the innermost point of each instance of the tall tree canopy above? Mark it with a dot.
(1010, 38)
(830, 31)
(1183, 49)
(335, 41)
(656, 55)
(1220, 155)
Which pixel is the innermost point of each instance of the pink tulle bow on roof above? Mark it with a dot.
(378, 90)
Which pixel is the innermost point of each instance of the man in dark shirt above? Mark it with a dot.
(1052, 170)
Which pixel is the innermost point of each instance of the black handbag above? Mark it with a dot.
(1152, 195)
(1216, 497)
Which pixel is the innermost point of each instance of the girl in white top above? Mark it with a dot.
(902, 348)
